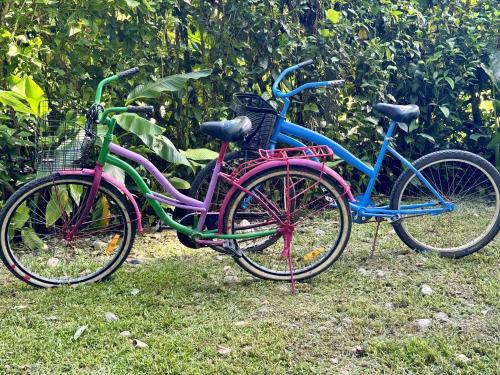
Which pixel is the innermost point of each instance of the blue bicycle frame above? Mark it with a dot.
(285, 132)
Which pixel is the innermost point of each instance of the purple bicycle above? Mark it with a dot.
(78, 225)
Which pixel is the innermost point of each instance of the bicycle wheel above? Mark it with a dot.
(319, 212)
(36, 219)
(471, 183)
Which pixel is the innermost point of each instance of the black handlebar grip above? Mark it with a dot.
(305, 63)
(140, 109)
(128, 72)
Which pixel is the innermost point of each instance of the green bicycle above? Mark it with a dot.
(78, 225)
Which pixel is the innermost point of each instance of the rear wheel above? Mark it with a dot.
(319, 212)
(35, 222)
(468, 181)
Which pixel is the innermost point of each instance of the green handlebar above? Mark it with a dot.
(100, 86)
(104, 114)
(115, 77)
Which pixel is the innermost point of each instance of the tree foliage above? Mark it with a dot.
(435, 53)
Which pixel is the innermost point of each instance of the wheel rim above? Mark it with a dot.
(37, 230)
(316, 216)
(476, 201)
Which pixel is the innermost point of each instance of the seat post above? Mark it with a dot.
(222, 152)
(213, 182)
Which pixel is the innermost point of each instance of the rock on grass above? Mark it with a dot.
(53, 262)
(139, 344)
(462, 358)
(423, 324)
(223, 350)
(79, 332)
(110, 317)
(442, 317)
(231, 280)
(425, 290)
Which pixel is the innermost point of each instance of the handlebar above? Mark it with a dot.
(277, 92)
(140, 109)
(114, 77)
(303, 64)
(128, 72)
(102, 114)
(128, 109)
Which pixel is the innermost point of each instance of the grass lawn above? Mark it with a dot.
(356, 318)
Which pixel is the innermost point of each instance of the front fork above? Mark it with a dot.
(88, 203)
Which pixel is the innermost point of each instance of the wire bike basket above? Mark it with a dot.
(263, 117)
(64, 139)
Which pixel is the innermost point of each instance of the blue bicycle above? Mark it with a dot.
(446, 201)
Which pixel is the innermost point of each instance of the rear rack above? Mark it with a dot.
(306, 152)
(318, 153)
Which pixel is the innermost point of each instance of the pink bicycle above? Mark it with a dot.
(286, 217)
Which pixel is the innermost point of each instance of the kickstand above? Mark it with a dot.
(287, 237)
(374, 243)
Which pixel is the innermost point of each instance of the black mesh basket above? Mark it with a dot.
(263, 117)
(63, 141)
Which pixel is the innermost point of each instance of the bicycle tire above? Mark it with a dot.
(332, 254)
(30, 277)
(401, 227)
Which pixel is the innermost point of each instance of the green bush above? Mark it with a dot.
(438, 54)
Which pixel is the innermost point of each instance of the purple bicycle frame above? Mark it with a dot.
(177, 199)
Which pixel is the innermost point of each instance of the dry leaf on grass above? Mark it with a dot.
(223, 350)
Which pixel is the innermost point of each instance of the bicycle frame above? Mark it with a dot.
(285, 131)
(176, 198)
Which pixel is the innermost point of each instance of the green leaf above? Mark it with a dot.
(173, 83)
(311, 107)
(413, 126)
(59, 202)
(179, 183)
(21, 216)
(333, 15)
(76, 191)
(138, 125)
(494, 142)
(13, 50)
(13, 100)
(493, 71)
(427, 136)
(164, 148)
(150, 135)
(115, 172)
(445, 110)
(31, 240)
(199, 154)
(24, 88)
(403, 126)
(478, 136)
(450, 82)
(132, 3)
(325, 33)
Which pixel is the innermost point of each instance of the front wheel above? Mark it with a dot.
(319, 213)
(468, 181)
(34, 225)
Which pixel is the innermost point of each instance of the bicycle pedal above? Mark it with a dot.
(232, 248)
